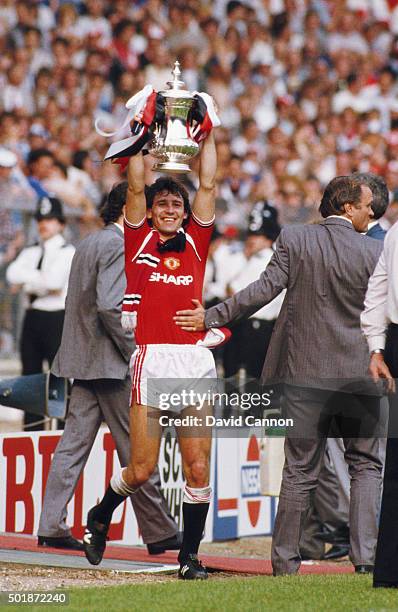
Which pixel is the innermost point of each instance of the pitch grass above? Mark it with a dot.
(251, 594)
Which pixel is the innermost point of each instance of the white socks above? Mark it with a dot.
(191, 495)
(120, 486)
(197, 496)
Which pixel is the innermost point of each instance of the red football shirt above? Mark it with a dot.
(177, 280)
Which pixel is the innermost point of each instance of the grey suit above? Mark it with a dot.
(331, 501)
(317, 348)
(95, 351)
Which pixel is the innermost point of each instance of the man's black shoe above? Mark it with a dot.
(94, 539)
(307, 556)
(340, 536)
(336, 552)
(364, 569)
(67, 542)
(173, 543)
(378, 584)
(192, 569)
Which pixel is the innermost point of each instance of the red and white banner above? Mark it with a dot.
(238, 509)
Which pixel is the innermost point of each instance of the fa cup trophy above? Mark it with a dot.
(170, 124)
(172, 144)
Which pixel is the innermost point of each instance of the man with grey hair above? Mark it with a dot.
(328, 518)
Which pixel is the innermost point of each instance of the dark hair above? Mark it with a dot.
(32, 29)
(37, 154)
(379, 190)
(121, 26)
(60, 40)
(208, 21)
(113, 206)
(61, 167)
(339, 191)
(352, 78)
(79, 158)
(232, 5)
(246, 122)
(388, 70)
(43, 72)
(169, 185)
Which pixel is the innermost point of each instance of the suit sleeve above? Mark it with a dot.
(111, 284)
(256, 295)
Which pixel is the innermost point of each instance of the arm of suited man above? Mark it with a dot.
(111, 285)
(256, 295)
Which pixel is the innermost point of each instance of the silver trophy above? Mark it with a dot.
(172, 144)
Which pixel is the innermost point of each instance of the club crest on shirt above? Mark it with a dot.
(172, 263)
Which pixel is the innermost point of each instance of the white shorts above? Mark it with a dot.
(159, 369)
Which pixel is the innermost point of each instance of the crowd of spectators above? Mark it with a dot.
(306, 90)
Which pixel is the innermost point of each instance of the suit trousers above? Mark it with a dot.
(91, 403)
(330, 502)
(312, 411)
(386, 564)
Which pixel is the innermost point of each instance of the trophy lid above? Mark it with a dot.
(177, 85)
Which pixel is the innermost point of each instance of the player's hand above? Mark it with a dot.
(191, 320)
(379, 369)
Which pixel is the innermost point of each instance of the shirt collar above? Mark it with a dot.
(340, 217)
(121, 227)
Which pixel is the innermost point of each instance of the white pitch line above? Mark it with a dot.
(80, 562)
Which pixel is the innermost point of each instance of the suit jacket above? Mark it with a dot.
(377, 232)
(94, 344)
(317, 339)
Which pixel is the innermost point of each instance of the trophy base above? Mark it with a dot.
(176, 167)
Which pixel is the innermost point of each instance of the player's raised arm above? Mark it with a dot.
(135, 202)
(204, 203)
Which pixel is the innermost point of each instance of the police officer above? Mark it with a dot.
(42, 272)
(251, 337)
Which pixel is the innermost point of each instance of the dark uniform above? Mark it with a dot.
(43, 272)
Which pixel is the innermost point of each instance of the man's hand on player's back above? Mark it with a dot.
(191, 320)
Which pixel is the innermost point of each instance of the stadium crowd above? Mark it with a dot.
(306, 90)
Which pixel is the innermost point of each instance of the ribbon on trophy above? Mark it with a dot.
(202, 117)
(146, 111)
(148, 105)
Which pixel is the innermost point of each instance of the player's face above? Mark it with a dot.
(167, 213)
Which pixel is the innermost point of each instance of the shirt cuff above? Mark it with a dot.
(134, 225)
(376, 342)
(210, 320)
